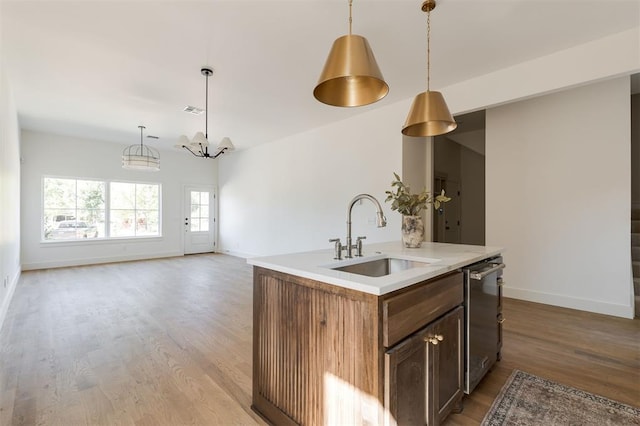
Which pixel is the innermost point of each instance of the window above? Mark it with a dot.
(134, 209)
(73, 209)
(76, 209)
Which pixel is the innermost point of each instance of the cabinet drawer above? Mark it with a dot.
(411, 310)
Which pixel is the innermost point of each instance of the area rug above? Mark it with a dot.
(526, 399)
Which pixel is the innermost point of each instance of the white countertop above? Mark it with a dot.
(316, 265)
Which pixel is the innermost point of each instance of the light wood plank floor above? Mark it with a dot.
(168, 342)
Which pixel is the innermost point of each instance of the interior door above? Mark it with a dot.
(446, 220)
(199, 219)
(452, 213)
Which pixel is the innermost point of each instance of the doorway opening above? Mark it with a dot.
(459, 169)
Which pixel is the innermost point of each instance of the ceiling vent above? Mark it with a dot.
(193, 110)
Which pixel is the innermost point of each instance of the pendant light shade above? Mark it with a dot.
(225, 144)
(351, 76)
(429, 114)
(199, 139)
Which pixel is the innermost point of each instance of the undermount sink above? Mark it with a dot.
(381, 267)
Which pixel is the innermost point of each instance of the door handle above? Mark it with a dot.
(477, 275)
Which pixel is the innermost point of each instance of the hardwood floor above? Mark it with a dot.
(168, 342)
(595, 353)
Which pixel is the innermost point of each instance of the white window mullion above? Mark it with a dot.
(107, 209)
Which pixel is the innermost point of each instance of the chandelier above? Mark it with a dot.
(199, 145)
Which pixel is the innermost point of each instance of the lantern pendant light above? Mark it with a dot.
(429, 114)
(141, 157)
(351, 77)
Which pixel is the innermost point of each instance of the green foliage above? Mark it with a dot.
(409, 204)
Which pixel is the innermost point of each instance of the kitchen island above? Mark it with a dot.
(338, 347)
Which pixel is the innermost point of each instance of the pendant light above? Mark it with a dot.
(141, 157)
(351, 77)
(199, 145)
(429, 114)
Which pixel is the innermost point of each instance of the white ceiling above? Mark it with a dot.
(98, 69)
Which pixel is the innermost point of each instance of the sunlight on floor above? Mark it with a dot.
(346, 404)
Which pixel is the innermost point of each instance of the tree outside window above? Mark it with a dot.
(73, 209)
(134, 209)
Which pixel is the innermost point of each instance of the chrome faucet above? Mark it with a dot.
(381, 221)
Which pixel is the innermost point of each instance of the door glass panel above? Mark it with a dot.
(199, 211)
(195, 197)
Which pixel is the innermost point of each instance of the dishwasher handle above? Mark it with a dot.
(477, 275)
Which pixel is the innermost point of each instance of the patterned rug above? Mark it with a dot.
(526, 399)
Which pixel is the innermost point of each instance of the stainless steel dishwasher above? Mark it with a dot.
(482, 298)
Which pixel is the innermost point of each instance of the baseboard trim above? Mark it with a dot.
(594, 306)
(237, 254)
(97, 260)
(4, 308)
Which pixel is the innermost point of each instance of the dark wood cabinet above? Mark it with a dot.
(323, 354)
(424, 373)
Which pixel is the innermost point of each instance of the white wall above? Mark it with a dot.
(9, 195)
(558, 197)
(617, 55)
(53, 155)
(292, 195)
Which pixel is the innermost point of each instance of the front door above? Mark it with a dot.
(199, 219)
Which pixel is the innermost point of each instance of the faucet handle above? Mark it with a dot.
(337, 248)
(359, 245)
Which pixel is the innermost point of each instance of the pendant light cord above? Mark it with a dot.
(428, 48)
(141, 146)
(206, 108)
(350, 18)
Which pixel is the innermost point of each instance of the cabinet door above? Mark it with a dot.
(424, 373)
(406, 366)
(448, 375)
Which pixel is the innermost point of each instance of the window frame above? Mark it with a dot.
(107, 212)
